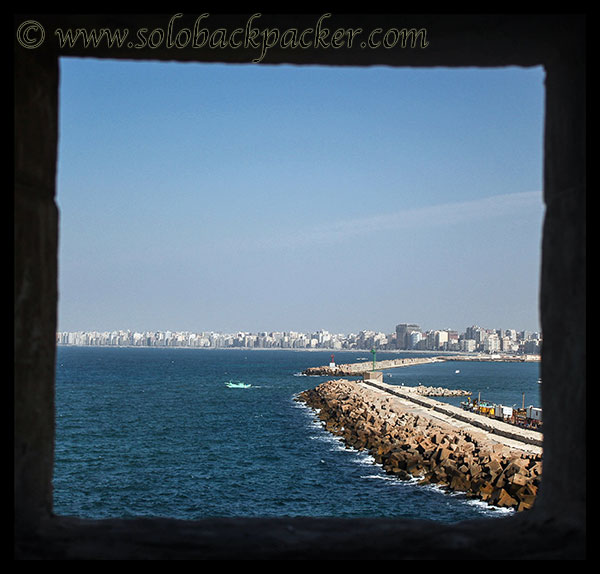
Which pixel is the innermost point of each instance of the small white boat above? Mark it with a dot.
(237, 385)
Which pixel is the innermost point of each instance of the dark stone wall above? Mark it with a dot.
(35, 280)
(563, 287)
(554, 528)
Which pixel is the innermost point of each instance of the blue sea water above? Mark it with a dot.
(156, 432)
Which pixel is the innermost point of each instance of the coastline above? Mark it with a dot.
(442, 355)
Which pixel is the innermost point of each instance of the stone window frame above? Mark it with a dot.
(555, 528)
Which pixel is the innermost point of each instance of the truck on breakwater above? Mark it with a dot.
(526, 417)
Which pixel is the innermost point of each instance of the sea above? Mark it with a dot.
(156, 432)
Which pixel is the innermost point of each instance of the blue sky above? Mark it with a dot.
(209, 197)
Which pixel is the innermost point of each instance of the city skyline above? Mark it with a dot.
(474, 339)
(252, 198)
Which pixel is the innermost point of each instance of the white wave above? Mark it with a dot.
(339, 446)
(489, 508)
(365, 458)
(385, 477)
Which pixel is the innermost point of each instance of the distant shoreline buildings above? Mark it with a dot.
(405, 337)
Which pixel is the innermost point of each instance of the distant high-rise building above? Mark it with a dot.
(414, 338)
(468, 345)
(441, 339)
(492, 343)
(403, 332)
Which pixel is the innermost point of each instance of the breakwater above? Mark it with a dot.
(409, 441)
(353, 369)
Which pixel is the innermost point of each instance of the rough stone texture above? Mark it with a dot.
(555, 528)
(412, 444)
(488, 424)
(439, 392)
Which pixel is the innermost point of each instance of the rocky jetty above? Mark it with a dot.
(354, 369)
(437, 391)
(408, 443)
(338, 371)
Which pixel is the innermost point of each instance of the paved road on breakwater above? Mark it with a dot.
(496, 430)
